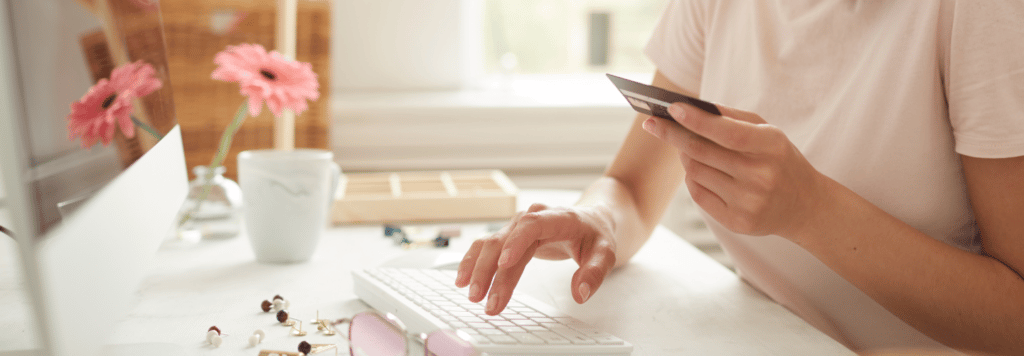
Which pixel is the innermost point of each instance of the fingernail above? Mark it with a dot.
(648, 124)
(585, 291)
(676, 111)
(492, 303)
(505, 256)
(474, 290)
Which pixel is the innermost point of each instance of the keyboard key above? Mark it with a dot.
(527, 338)
(490, 332)
(551, 337)
(600, 336)
(481, 326)
(502, 339)
(524, 322)
(499, 323)
(573, 336)
(512, 329)
(534, 328)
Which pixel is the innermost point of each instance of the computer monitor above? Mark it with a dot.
(87, 220)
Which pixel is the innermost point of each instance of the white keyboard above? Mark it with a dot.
(426, 300)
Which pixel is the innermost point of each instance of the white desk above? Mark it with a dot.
(670, 300)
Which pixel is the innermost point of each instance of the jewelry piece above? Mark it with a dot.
(213, 336)
(282, 316)
(306, 348)
(323, 325)
(391, 229)
(276, 304)
(297, 331)
(257, 337)
(279, 353)
(318, 348)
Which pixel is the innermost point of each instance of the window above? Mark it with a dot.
(466, 84)
(569, 36)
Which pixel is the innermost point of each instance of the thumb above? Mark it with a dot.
(590, 275)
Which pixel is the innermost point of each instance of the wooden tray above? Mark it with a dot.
(424, 196)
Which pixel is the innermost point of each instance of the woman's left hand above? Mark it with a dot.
(743, 171)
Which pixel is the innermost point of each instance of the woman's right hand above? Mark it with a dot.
(493, 265)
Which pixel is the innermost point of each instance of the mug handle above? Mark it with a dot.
(335, 178)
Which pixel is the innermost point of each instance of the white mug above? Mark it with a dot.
(287, 197)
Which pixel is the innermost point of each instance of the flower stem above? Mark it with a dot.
(147, 128)
(222, 151)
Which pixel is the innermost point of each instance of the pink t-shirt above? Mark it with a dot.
(881, 96)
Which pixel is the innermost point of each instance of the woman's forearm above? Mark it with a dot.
(964, 300)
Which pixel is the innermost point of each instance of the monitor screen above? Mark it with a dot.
(96, 93)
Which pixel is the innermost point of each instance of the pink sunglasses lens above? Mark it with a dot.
(448, 343)
(371, 335)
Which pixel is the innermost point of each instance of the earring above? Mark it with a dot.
(278, 303)
(214, 337)
(257, 337)
(323, 325)
(306, 348)
(297, 331)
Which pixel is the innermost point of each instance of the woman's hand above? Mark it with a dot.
(492, 266)
(742, 171)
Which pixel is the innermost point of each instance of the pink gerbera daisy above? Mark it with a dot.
(281, 83)
(109, 104)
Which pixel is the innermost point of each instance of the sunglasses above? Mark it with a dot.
(373, 334)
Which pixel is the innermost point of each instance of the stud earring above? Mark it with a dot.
(323, 325)
(214, 336)
(282, 317)
(257, 337)
(280, 303)
(306, 348)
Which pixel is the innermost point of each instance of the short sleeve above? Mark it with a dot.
(677, 45)
(984, 76)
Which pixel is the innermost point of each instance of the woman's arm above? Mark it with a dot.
(748, 176)
(612, 220)
(964, 300)
(648, 171)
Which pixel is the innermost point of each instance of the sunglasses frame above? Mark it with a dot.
(397, 325)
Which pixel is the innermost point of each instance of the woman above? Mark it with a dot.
(867, 171)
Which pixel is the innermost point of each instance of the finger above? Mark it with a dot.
(468, 263)
(469, 259)
(708, 177)
(706, 199)
(483, 271)
(596, 263)
(537, 226)
(741, 115)
(505, 281)
(731, 133)
(696, 147)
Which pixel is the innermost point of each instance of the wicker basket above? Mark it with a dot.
(205, 106)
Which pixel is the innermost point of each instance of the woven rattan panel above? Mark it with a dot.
(205, 106)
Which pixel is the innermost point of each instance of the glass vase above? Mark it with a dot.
(219, 215)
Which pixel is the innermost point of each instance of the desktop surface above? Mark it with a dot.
(670, 299)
